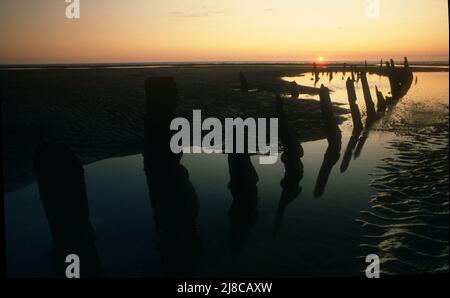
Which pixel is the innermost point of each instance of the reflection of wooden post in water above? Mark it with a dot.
(349, 152)
(243, 212)
(370, 107)
(172, 195)
(244, 83)
(62, 190)
(356, 114)
(381, 102)
(293, 166)
(334, 137)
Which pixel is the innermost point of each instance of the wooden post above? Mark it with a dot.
(295, 89)
(62, 191)
(370, 107)
(332, 130)
(244, 83)
(356, 114)
(172, 195)
(381, 102)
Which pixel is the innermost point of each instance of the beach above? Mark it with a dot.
(369, 203)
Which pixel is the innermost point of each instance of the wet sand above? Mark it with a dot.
(100, 112)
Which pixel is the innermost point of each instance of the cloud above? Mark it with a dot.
(198, 14)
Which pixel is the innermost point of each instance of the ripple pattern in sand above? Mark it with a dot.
(408, 223)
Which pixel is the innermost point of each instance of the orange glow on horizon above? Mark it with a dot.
(203, 30)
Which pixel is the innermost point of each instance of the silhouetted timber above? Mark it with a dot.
(62, 190)
(334, 137)
(172, 195)
(244, 83)
(370, 107)
(400, 79)
(332, 130)
(293, 166)
(243, 212)
(381, 102)
(356, 114)
(316, 73)
(295, 90)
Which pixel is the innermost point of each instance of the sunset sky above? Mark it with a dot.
(211, 30)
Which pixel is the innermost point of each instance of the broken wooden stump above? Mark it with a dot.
(244, 83)
(332, 130)
(370, 107)
(295, 89)
(172, 195)
(381, 102)
(356, 114)
(62, 190)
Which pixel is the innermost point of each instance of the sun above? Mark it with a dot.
(320, 59)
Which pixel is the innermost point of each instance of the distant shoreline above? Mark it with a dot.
(418, 66)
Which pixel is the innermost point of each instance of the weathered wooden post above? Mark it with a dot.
(370, 107)
(295, 90)
(316, 73)
(356, 114)
(381, 102)
(293, 166)
(244, 83)
(172, 195)
(243, 211)
(62, 190)
(332, 130)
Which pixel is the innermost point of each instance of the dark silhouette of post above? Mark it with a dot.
(172, 195)
(244, 83)
(316, 72)
(332, 130)
(356, 114)
(293, 166)
(62, 191)
(334, 137)
(243, 212)
(295, 89)
(381, 102)
(370, 107)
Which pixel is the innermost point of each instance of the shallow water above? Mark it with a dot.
(316, 236)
